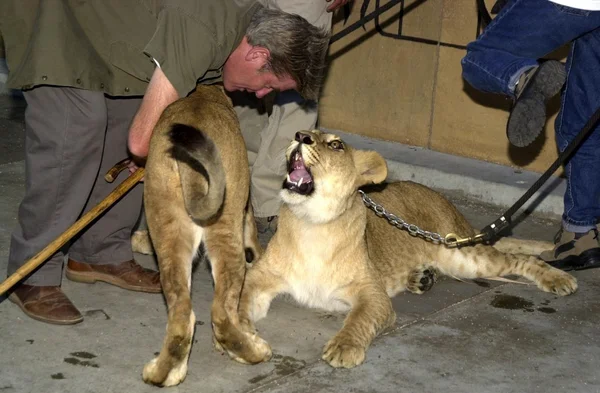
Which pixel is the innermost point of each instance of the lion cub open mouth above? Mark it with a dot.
(299, 178)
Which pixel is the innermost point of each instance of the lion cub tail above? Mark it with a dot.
(200, 171)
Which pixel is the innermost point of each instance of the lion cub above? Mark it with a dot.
(330, 252)
(196, 190)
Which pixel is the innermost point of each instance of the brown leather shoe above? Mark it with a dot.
(126, 275)
(46, 304)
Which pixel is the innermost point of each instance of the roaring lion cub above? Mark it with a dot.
(330, 252)
(196, 190)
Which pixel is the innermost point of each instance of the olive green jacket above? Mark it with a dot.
(108, 45)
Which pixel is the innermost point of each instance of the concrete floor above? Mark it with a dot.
(475, 336)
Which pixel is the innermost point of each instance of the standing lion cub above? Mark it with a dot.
(330, 252)
(196, 190)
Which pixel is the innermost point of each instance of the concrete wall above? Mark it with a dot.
(413, 93)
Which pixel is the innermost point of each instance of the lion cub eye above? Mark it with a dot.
(336, 145)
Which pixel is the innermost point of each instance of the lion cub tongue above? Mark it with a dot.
(300, 173)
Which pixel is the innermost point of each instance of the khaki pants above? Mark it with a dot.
(269, 132)
(73, 137)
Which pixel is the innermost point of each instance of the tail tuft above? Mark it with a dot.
(187, 137)
(202, 175)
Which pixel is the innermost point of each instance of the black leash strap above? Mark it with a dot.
(491, 231)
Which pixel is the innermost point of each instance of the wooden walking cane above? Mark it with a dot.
(74, 229)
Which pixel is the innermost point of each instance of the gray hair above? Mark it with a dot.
(298, 49)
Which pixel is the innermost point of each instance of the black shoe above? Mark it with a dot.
(536, 87)
(574, 251)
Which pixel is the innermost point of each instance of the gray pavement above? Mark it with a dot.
(473, 336)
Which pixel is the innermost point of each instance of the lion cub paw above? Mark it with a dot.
(558, 282)
(343, 353)
(141, 243)
(217, 344)
(152, 373)
(254, 350)
(421, 280)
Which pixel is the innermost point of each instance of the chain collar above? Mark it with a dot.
(450, 240)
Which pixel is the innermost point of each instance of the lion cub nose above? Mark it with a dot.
(304, 137)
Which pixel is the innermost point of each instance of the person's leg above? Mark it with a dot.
(290, 114)
(103, 251)
(64, 135)
(523, 32)
(580, 99)
(108, 241)
(314, 11)
(504, 59)
(64, 132)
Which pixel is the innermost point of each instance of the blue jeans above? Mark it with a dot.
(523, 32)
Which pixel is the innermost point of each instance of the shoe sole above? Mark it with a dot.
(15, 299)
(588, 259)
(528, 116)
(92, 278)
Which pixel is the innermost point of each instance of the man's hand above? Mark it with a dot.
(159, 94)
(132, 166)
(335, 4)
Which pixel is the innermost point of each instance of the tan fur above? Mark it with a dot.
(196, 190)
(330, 252)
(141, 243)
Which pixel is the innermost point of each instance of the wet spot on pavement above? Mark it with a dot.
(284, 365)
(509, 302)
(84, 363)
(83, 355)
(547, 310)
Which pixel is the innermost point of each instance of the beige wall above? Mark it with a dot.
(413, 93)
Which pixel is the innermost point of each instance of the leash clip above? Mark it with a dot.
(452, 240)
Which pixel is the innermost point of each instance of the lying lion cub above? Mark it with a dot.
(196, 190)
(330, 252)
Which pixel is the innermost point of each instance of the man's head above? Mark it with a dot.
(280, 51)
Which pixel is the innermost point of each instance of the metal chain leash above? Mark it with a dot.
(450, 240)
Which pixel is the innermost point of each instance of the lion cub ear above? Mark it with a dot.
(371, 167)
